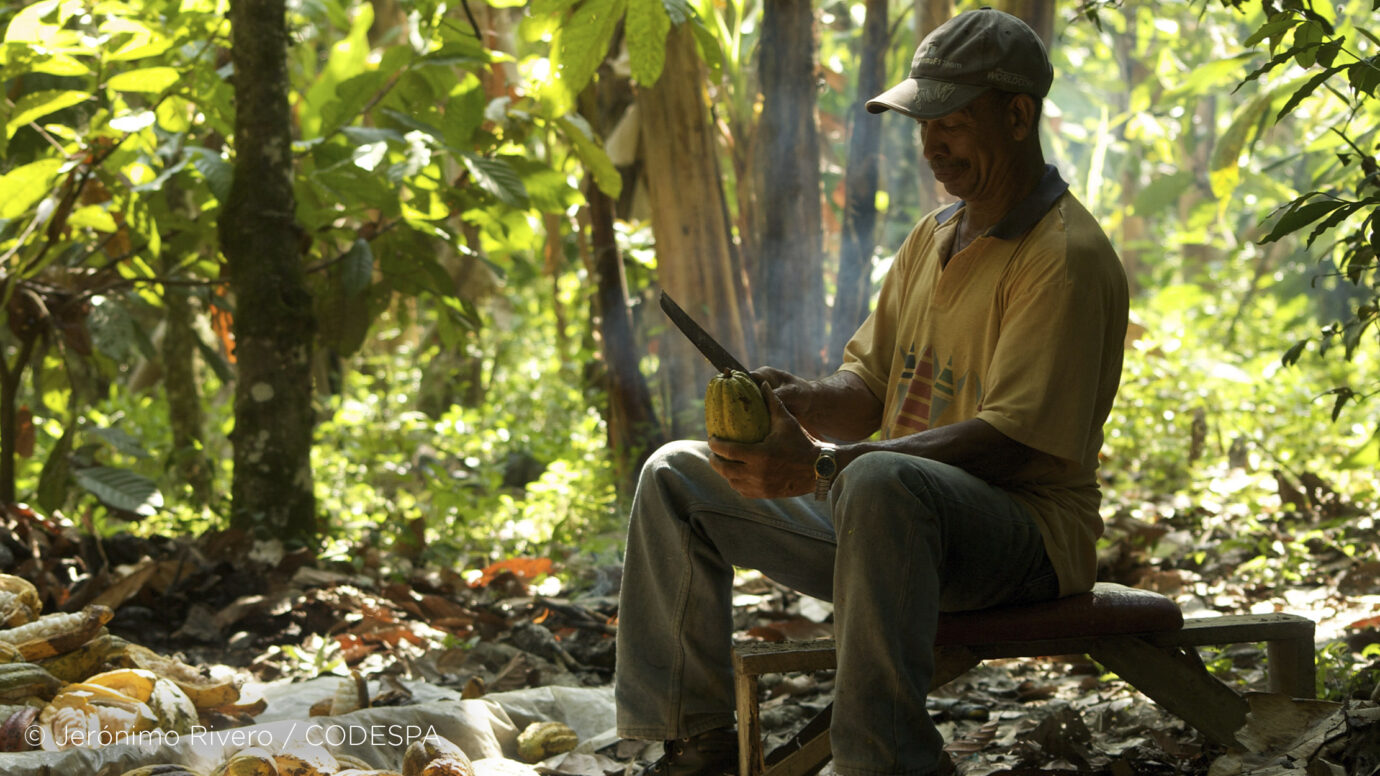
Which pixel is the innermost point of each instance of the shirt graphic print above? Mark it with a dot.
(924, 395)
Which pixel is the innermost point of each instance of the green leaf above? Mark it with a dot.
(93, 217)
(498, 178)
(34, 106)
(121, 440)
(1227, 151)
(121, 489)
(1338, 216)
(584, 41)
(148, 80)
(349, 57)
(357, 268)
(597, 162)
(1327, 52)
(52, 481)
(1307, 37)
(218, 172)
(1301, 214)
(679, 11)
(1291, 356)
(1162, 192)
(464, 112)
(1303, 91)
(647, 26)
(350, 99)
(28, 26)
(24, 186)
(548, 190)
(1364, 76)
(1277, 25)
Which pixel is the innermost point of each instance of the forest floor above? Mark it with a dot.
(250, 609)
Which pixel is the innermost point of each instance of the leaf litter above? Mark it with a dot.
(223, 601)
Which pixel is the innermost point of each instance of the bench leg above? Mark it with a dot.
(1177, 681)
(1292, 668)
(749, 725)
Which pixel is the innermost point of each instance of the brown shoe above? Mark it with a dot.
(712, 753)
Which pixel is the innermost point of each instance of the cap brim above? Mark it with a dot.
(925, 98)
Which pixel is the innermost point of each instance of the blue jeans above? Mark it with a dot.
(900, 539)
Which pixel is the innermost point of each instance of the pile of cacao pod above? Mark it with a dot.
(735, 409)
(65, 681)
(431, 755)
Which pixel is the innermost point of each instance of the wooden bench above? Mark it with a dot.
(1137, 634)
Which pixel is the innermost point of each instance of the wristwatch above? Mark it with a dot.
(826, 466)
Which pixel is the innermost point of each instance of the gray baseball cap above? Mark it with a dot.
(964, 57)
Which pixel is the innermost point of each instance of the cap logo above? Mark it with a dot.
(1007, 78)
(932, 58)
(934, 93)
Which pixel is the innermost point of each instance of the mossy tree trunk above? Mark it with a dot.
(274, 324)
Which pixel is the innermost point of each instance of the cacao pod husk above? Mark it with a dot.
(14, 732)
(55, 634)
(19, 601)
(19, 681)
(429, 748)
(541, 740)
(90, 658)
(735, 409)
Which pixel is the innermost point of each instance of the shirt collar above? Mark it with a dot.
(1026, 213)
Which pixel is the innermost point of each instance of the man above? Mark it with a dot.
(988, 366)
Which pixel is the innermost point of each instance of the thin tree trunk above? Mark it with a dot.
(928, 15)
(860, 186)
(633, 428)
(274, 326)
(695, 260)
(184, 400)
(791, 253)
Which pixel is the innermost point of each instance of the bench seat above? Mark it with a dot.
(1140, 635)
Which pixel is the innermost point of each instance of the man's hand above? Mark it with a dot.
(794, 392)
(781, 465)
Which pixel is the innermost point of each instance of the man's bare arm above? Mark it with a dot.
(973, 445)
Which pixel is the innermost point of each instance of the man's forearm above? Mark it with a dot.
(972, 445)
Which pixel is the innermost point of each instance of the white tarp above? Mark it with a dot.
(486, 729)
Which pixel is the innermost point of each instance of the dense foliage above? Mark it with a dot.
(439, 190)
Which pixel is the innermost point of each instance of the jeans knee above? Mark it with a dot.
(880, 492)
(685, 458)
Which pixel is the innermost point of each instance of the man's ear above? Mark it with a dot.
(1021, 116)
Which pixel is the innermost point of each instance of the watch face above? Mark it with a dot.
(825, 466)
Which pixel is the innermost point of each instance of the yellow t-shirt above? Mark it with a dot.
(1023, 329)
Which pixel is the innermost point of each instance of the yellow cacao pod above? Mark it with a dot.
(734, 408)
(541, 740)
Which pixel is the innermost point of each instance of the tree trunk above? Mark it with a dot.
(272, 490)
(1039, 14)
(633, 428)
(695, 259)
(928, 15)
(184, 400)
(791, 254)
(860, 186)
